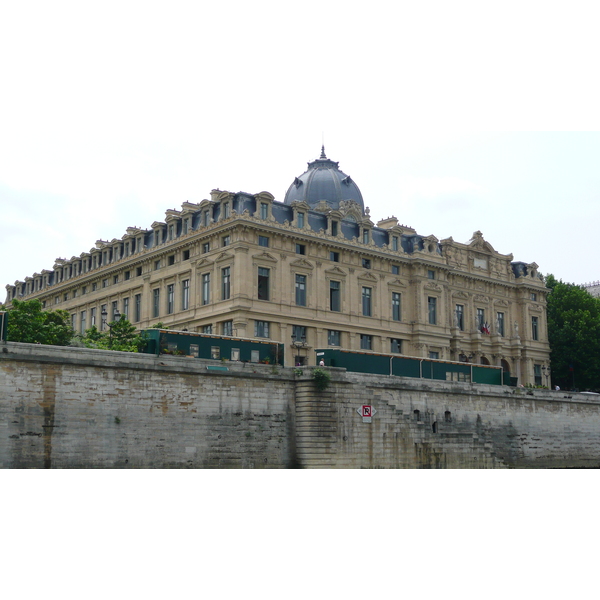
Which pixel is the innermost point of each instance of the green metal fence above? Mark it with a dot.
(407, 366)
(204, 345)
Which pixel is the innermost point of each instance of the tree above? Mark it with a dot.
(574, 335)
(28, 323)
(122, 336)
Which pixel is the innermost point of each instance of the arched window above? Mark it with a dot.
(417, 415)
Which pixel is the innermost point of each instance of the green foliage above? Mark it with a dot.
(28, 323)
(322, 379)
(121, 336)
(574, 335)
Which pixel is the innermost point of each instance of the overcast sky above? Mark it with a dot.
(451, 117)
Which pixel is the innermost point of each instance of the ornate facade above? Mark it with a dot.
(311, 271)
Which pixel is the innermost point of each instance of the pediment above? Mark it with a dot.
(461, 295)
(397, 283)
(336, 271)
(224, 256)
(366, 276)
(302, 264)
(203, 263)
(265, 257)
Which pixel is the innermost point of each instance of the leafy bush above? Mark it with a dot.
(322, 379)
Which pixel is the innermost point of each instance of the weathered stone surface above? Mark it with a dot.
(80, 408)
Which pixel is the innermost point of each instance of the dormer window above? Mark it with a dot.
(264, 210)
(395, 243)
(226, 210)
(300, 220)
(334, 228)
(185, 226)
(365, 236)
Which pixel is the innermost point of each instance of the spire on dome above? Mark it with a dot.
(322, 152)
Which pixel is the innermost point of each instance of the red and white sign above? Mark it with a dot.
(366, 411)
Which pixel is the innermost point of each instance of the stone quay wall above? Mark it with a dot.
(82, 408)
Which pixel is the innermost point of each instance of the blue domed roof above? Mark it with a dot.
(324, 181)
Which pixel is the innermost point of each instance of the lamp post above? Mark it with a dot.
(117, 317)
(299, 343)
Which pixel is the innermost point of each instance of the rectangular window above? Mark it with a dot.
(264, 210)
(395, 270)
(226, 240)
(334, 228)
(434, 355)
(537, 374)
(534, 297)
(366, 342)
(335, 303)
(263, 283)
(207, 329)
(137, 315)
(226, 210)
(185, 255)
(103, 317)
(205, 247)
(215, 352)
(227, 327)
(185, 226)
(115, 310)
(366, 236)
(171, 232)
(534, 329)
(255, 356)
(298, 333)
(263, 241)
(334, 256)
(366, 302)
(170, 299)
(333, 338)
(171, 260)
(235, 354)
(430, 274)
(300, 249)
(480, 319)
(126, 308)
(432, 310)
(300, 220)
(185, 294)
(366, 263)
(225, 283)
(395, 243)
(206, 218)
(138, 271)
(83, 325)
(301, 290)
(261, 329)
(396, 346)
(206, 288)
(500, 323)
(194, 350)
(156, 265)
(155, 302)
(459, 313)
(396, 314)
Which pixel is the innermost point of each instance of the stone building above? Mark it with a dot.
(311, 271)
